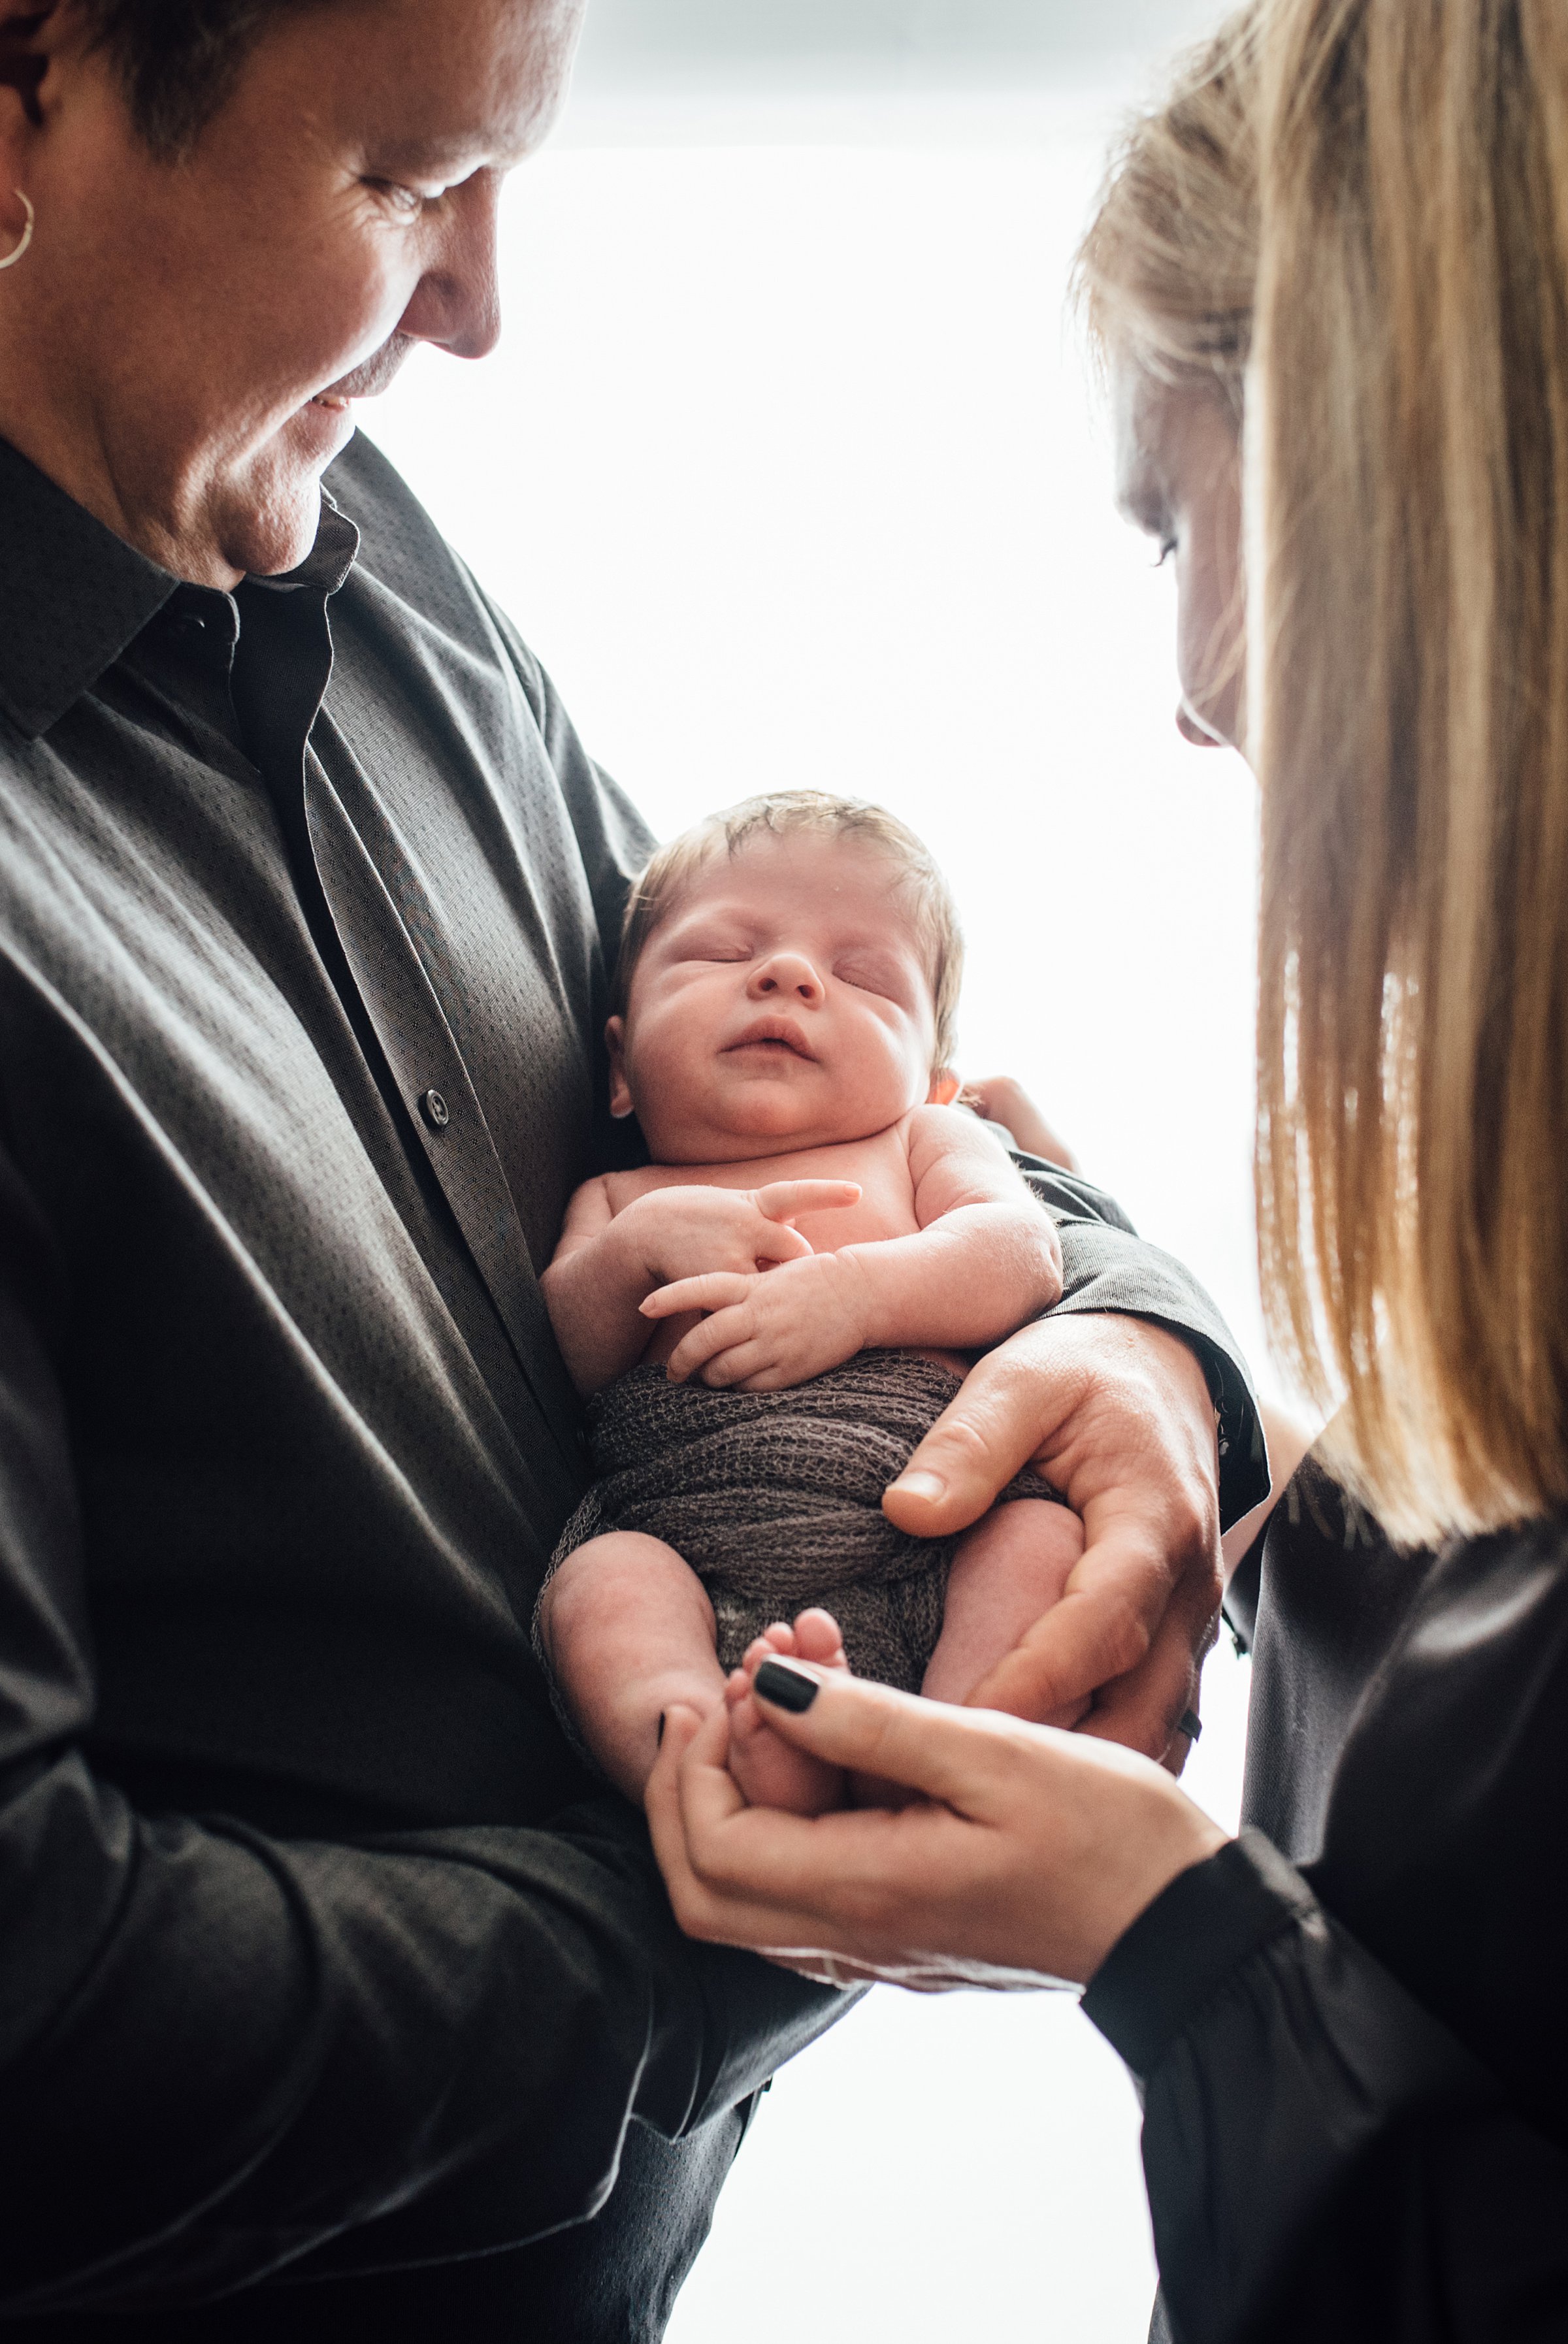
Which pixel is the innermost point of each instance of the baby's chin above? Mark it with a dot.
(763, 1129)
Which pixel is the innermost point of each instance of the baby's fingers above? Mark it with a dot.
(716, 1289)
(721, 1333)
(784, 1200)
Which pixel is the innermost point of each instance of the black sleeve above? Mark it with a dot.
(1107, 1266)
(1324, 2159)
(220, 2050)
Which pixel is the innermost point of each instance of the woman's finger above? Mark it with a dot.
(871, 1729)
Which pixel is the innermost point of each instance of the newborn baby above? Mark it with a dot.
(770, 1316)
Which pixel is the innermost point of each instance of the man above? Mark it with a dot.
(318, 1959)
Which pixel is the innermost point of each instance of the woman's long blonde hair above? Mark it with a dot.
(1352, 217)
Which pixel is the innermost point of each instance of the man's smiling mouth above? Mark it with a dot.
(772, 1033)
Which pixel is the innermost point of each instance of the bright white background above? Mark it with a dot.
(789, 471)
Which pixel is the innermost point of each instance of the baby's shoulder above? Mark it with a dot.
(929, 1131)
(622, 1188)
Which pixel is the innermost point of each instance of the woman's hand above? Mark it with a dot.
(1029, 1854)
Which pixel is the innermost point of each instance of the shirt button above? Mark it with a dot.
(435, 1110)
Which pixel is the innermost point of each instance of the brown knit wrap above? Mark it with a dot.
(774, 1498)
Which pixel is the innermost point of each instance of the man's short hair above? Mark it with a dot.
(794, 813)
(177, 60)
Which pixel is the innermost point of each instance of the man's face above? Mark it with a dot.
(1179, 478)
(783, 1004)
(183, 344)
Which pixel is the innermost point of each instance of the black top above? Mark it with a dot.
(315, 1944)
(1355, 2068)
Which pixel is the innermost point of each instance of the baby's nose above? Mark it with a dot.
(786, 973)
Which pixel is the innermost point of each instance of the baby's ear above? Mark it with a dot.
(621, 1104)
(945, 1088)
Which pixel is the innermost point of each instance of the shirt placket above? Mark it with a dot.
(280, 683)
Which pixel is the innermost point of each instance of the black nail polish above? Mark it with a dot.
(785, 1687)
(661, 1733)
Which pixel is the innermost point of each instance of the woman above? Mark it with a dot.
(1332, 278)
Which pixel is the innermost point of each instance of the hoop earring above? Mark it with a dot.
(25, 238)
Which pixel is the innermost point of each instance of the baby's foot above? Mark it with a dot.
(770, 1771)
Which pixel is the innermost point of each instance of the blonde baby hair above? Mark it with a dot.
(792, 813)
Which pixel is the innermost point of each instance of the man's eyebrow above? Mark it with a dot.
(453, 154)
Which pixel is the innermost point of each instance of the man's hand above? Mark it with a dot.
(765, 1332)
(1116, 1414)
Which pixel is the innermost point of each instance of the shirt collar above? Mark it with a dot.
(73, 595)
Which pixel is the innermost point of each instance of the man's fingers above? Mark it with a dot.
(782, 1200)
(1102, 1628)
(716, 1289)
(972, 1451)
(1144, 1709)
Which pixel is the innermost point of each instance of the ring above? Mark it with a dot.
(1191, 1725)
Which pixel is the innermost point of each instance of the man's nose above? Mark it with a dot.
(457, 302)
(788, 975)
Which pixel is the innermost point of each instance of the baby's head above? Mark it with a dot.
(788, 978)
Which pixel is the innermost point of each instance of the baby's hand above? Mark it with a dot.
(680, 1233)
(766, 1331)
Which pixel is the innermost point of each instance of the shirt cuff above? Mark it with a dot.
(1161, 1971)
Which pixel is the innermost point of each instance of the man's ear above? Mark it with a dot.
(621, 1104)
(945, 1088)
(31, 34)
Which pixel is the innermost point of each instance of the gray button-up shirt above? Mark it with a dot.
(304, 1913)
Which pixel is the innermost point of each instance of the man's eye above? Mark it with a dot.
(408, 203)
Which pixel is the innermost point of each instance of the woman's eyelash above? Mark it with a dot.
(1167, 549)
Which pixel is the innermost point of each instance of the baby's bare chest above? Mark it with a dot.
(880, 1167)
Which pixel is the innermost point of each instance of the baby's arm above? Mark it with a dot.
(984, 1259)
(607, 1262)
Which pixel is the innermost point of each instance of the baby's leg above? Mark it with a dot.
(629, 1631)
(1009, 1569)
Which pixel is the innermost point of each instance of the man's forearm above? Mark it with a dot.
(280, 2046)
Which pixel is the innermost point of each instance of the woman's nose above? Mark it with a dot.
(788, 976)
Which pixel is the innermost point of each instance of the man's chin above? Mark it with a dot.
(273, 514)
